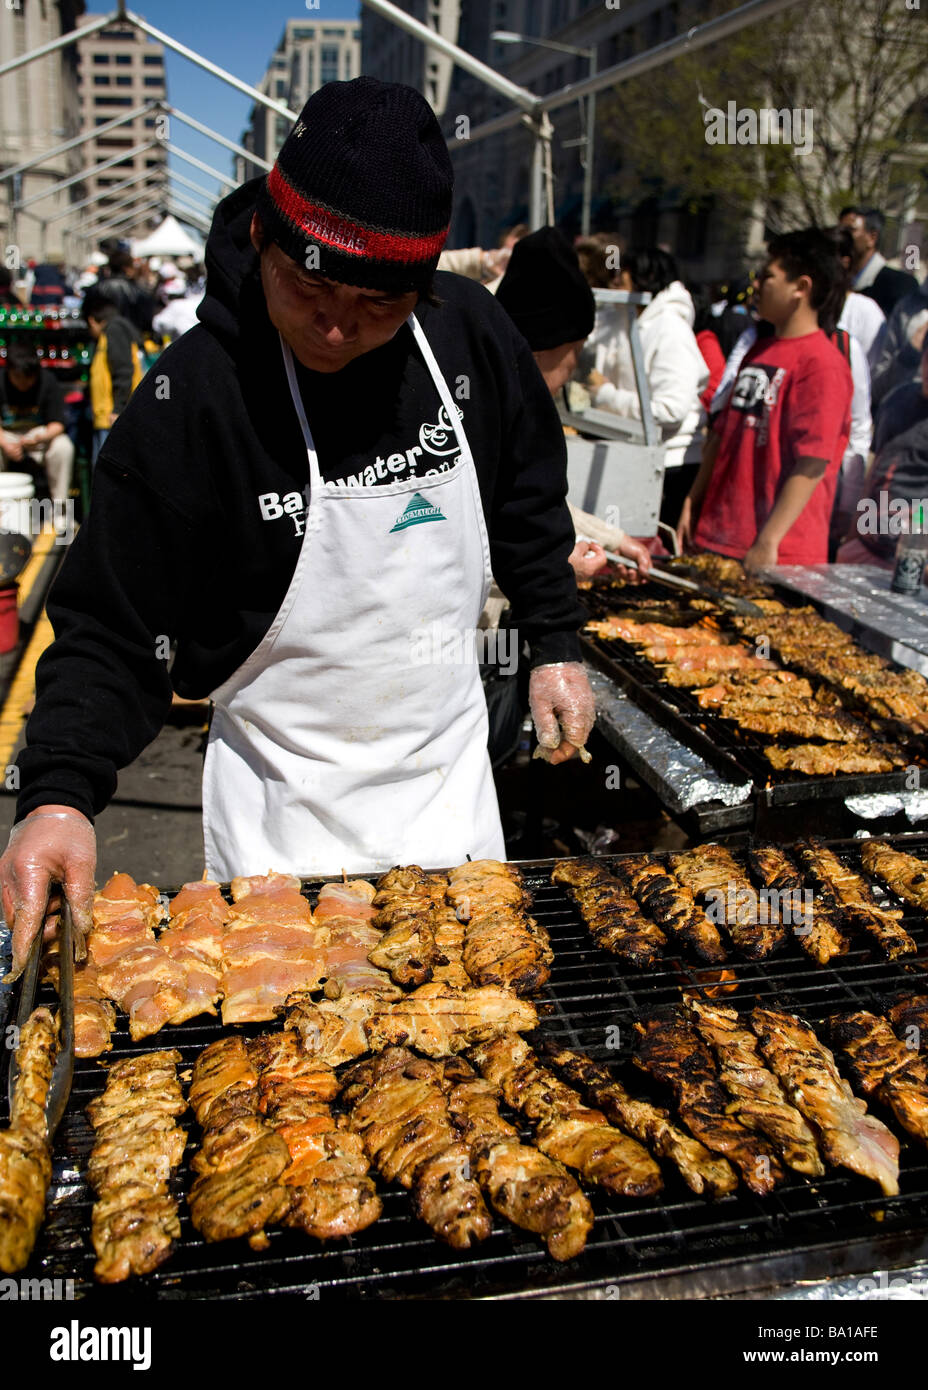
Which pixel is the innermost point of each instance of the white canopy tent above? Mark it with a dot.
(169, 239)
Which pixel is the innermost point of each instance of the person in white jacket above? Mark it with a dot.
(675, 369)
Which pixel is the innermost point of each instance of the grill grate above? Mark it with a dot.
(674, 1243)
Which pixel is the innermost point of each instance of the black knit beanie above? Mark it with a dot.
(545, 292)
(365, 178)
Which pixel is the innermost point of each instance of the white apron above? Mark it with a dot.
(342, 743)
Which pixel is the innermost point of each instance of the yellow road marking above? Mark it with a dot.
(44, 542)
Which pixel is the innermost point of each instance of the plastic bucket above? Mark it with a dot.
(9, 618)
(16, 493)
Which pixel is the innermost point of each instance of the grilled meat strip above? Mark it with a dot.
(439, 1020)
(137, 1146)
(672, 906)
(400, 1111)
(133, 968)
(884, 1067)
(712, 873)
(800, 722)
(271, 948)
(193, 939)
(703, 1172)
(407, 909)
(857, 904)
(566, 1129)
(909, 1017)
(25, 1157)
(825, 759)
(333, 1030)
(817, 926)
(503, 945)
(611, 914)
(241, 1160)
(436, 1019)
(771, 685)
(671, 1051)
(531, 1190)
(449, 938)
(94, 1014)
(344, 917)
(759, 1102)
(332, 1193)
(903, 873)
(848, 1137)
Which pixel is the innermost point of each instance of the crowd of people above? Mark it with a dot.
(133, 308)
(779, 397)
(784, 399)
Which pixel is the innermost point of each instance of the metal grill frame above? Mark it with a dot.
(671, 1246)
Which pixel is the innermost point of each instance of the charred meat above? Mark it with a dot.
(614, 919)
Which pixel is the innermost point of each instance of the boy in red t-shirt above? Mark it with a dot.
(766, 485)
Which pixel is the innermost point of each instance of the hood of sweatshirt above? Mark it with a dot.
(233, 286)
(675, 300)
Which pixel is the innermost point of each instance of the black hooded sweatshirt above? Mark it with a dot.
(199, 498)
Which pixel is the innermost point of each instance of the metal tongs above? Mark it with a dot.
(63, 1071)
(676, 581)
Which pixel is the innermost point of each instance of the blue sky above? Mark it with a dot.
(238, 35)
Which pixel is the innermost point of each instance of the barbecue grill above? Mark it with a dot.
(736, 754)
(671, 1245)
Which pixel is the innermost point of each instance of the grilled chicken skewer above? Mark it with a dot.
(884, 1067)
(611, 914)
(848, 1137)
(503, 945)
(406, 912)
(671, 1051)
(271, 947)
(344, 914)
(566, 1129)
(524, 1185)
(137, 1146)
(241, 1160)
(332, 1193)
(436, 1019)
(672, 906)
(853, 895)
(816, 925)
(703, 1172)
(759, 1102)
(712, 873)
(906, 875)
(400, 1111)
(25, 1158)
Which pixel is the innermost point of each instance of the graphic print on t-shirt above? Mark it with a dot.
(437, 451)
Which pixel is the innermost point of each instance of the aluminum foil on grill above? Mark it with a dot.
(680, 777)
(859, 600)
(879, 804)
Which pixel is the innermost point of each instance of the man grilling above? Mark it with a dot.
(328, 466)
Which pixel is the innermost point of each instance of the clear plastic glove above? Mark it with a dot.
(52, 843)
(563, 709)
(587, 558)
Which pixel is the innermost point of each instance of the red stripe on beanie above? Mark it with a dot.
(352, 238)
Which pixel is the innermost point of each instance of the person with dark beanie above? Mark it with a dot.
(306, 498)
(549, 300)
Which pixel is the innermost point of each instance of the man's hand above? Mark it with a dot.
(32, 439)
(52, 843)
(12, 447)
(761, 554)
(587, 558)
(635, 550)
(113, 418)
(563, 708)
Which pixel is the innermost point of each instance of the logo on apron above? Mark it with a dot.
(418, 511)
